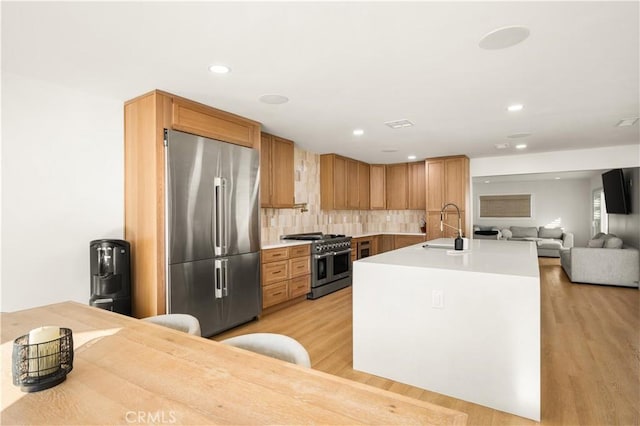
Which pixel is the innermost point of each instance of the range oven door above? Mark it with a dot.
(341, 264)
(320, 269)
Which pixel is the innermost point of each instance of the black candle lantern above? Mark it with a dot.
(39, 366)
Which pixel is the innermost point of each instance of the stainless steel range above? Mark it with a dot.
(330, 261)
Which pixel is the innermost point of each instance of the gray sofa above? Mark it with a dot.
(611, 263)
(549, 241)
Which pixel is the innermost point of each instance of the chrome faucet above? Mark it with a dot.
(442, 224)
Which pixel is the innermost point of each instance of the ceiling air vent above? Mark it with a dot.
(399, 124)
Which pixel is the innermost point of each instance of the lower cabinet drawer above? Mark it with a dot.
(274, 272)
(299, 286)
(274, 293)
(299, 266)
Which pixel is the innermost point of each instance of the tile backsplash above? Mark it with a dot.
(276, 222)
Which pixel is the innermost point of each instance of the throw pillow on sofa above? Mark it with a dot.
(613, 242)
(595, 243)
(506, 233)
(524, 231)
(555, 233)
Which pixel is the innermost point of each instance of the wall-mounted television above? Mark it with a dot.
(615, 192)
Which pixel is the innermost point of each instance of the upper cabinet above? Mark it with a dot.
(347, 184)
(417, 186)
(145, 118)
(397, 186)
(339, 183)
(447, 180)
(377, 187)
(353, 187)
(276, 172)
(363, 186)
(202, 120)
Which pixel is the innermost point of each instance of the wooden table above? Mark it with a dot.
(128, 371)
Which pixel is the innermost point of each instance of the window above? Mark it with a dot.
(518, 205)
(599, 212)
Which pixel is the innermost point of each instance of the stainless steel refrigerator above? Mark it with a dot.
(212, 231)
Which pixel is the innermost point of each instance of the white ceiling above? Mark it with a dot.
(536, 177)
(355, 65)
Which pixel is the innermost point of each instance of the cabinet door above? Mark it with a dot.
(386, 243)
(363, 185)
(406, 240)
(275, 271)
(265, 170)
(339, 183)
(397, 184)
(275, 293)
(417, 182)
(451, 218)
(299, 266)
(282, 173)
(375, 243)
(377, 187)
(299, 286)
(203, 120)
(434, 173)
(353, 187)
(433, 226)
(454, 181)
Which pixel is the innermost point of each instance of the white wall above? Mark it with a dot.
(565, 203)
(62, 186)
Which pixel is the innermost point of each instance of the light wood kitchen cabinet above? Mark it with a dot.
(286, 274)
(377, 187)
(400, 240)
(192, 117)
(339, 186)
(397, 186)
(363, 185)
(145, 118)
(417, 186)
(386, 243)
(353, 186)
(450, 218)
(447, 180)
(276, 172)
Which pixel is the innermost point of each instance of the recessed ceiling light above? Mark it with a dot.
(519, 135)
(627, 122)
(412, 157)
(515, 107)
(219, 69)
(502, 38)
(502, 145)
(273, 99)
(521, 146)
(399, 124)
(487, 181)
(556, 178)
(358, 132)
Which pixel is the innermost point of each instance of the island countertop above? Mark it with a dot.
(490, 256)
(129, 371)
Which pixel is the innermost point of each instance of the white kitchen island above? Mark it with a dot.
(465, 324)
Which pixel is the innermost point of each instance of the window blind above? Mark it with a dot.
(518, 205)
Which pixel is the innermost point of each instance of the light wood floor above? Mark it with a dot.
(590, 351)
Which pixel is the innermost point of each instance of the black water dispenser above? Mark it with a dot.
(111, 275)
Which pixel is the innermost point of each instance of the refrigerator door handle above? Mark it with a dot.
(218, 195)
(225, 277)
(217, 278)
